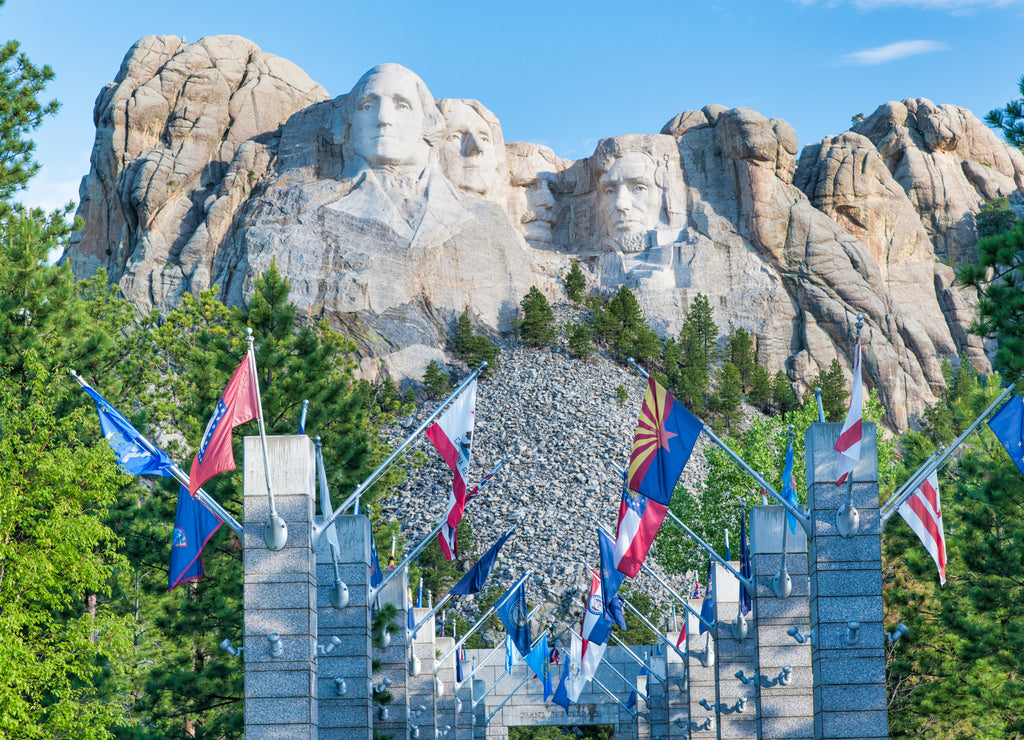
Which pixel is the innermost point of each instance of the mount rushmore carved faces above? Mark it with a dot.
(532, 205)
(472, 150)
(629, 200)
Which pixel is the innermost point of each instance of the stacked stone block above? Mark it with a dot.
(279, 592)
(845, 586)
(735, 721)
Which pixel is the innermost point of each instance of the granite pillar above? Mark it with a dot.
(845, 586)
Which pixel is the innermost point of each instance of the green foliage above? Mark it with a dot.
(621, 395)
(760, 393)
(833, 391)
(21, 82)
(999, 275)
(957, 673)
(472, 348)
(783, 396)
(537, 322)
(740, 352)
(697, 341)
(554, 732)
(436, 380)
(637, 633)
(995, 217)
(1010, 119)
(623, 326)
(575, 282)
(581, 342)
(728, 396)
(58, 559)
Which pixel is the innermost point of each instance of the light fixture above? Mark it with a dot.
(740, 628)
(339, 594)
(414, 733)
(339, 686)
(852, 629)
(438, 686)
(227, 647)
(414, 665)
(794, 632)
(385, 638)
(384, 714)
(332, 643)
(896, 634)
(276, 648)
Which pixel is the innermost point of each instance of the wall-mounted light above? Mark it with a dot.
(414, 733)
(339, 594)
(438, 686)
(896, 634)
(385, 638)
(276, 648)
(794, 632)
(458, 705)
(740, 628)
(329, 647)
(340, 688)
(384, 714)
(852, 632)
(227, 647)
(414, 665)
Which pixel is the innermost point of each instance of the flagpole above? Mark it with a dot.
(374, 592)
(804, 520)
(611, 667)
(505, 700)
(748, 585)
(847, 516)
(383, 467)
(495, 649)
(651, 627)
(631, 712)
(635, 657)
(925, 470)
(182, 477)
(276, 532)
(505, 672)
(914, 479)
(498, 604)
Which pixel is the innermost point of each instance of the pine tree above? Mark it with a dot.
(462, 337)
(729, 395)
(472, 348)
(537, 324)
(436, 380)
(580, 342)
(783, 396)
(697, 341)
(575, 282)
(760, 394)
(740, 352)
(833, 391)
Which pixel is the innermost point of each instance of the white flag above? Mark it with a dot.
(848, 444)
(574, 682)
(924, 515)
(452, 435)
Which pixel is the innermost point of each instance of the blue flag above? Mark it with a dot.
(1008, 426)
(611, 579)
(537, 659)
(194, 525)
(458, 665)
(789, 487)
(419, 596)
(745, 568)
(132, 456)
(474, 581)
(513, 613)
(561, 696)
(631, 701)
(707, 609)
(376, 574)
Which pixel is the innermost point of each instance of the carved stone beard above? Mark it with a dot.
(628, 244)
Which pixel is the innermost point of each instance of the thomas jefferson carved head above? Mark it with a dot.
(533, 174)
(392, 121)
(472, 150)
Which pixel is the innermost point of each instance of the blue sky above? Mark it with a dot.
(564, 74)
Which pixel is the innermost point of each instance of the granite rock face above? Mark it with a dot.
(391, 212)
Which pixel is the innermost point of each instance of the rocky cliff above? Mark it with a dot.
(390, 212)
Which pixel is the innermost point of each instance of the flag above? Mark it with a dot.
(194, 525)
(595, 627)
(644, 675)
(848, 444)
(631, 701)
(236, 406)
(764, 497)
(789, 485)
(514, 614)
(475, 579)
(574, 664)
(640, 519)
(511, 655)
(922, 512)
(444, 620)
(682, 633)
(419, 596)
(1008, 426)
(538, 660)
(728, 555)
(391, 557)
(376, 574)
(561, 695)
(452, 435)
(555, 656)
(707, 609)
(460, 655)
(611, 579)
(746, 570)
(412, 616)
(133, 457)
(485, 481)
(665, 435)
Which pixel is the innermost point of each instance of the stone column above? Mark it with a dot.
(845, 586)
(349, 715)
(279, 589)
(423, 704)
(657, 696)
(703, 678)
(394, 662)
(785, 710)
(678, 697)
(733, 655)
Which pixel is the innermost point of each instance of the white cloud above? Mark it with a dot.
(892, 52)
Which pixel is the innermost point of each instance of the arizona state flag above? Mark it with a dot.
(665, 435)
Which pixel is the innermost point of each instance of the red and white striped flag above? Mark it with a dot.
(452, 435)
(924, 515)
(848, 444)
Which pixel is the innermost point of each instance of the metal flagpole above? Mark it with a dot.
(276, 532)
(747, 583)
(182, 477)
(374, 592)
(302, 417)
(496, 648)
(652, 628)
(631, 712)
(925, 470)
(610, 666)
(505, 700)
(499, 603)
(383, 467)
(805, 521)
(640, 661)
(505, 672)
